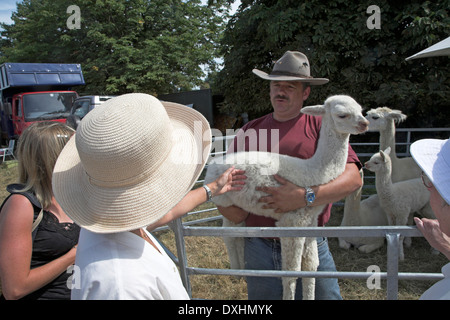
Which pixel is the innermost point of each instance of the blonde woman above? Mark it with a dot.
(34, 265)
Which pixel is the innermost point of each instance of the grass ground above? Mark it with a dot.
(210, 252)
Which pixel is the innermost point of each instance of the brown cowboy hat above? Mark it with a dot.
(292, 66)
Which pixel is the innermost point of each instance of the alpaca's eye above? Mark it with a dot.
(343, 116)
(375, 117)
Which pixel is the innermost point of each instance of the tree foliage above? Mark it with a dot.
(368, 64)
(152, 46)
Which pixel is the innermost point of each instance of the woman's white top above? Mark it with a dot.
(441, 289)
(123, 266)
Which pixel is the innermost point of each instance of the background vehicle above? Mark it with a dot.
(82, 106)
(31, 92)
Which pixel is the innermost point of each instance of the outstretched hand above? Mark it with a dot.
(433, 234)
(231, 180)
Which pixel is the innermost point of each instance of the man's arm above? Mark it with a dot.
(289, 197)
(233, 213)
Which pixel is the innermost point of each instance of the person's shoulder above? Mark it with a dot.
(18, 214)
(311, 123)
(18, 203)
(255, 123)
(316, 120)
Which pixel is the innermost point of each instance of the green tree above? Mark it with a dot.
(368, 64)
(152, 46)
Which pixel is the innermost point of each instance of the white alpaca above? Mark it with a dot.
(383, 119)
(401, 199)
(362, 213)
(369, 212)
(341, 116)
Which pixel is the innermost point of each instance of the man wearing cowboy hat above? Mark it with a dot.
(290, 86)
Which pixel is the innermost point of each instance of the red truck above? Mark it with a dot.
(31, 92)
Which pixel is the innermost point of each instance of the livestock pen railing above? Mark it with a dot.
(392, 234)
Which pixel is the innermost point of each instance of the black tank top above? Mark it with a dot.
(51, 241)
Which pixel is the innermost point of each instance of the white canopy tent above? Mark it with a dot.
(441, 48)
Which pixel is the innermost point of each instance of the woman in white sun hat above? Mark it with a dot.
(131, 165)
(433, 157)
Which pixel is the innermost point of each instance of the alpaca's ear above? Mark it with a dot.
(385, 153)
(397, 116)
(317, 110)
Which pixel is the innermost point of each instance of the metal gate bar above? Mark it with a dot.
(391, 233)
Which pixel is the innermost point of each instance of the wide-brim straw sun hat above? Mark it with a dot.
(131, 160)
(433, 157)
(292, 66)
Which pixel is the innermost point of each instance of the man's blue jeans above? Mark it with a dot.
(265, 254)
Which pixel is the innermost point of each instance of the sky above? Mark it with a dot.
(6, 9)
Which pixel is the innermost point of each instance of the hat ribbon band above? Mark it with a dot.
(285, 73)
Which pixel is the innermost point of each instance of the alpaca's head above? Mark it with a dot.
(379, 161)
(383, 117)
(342, 113)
